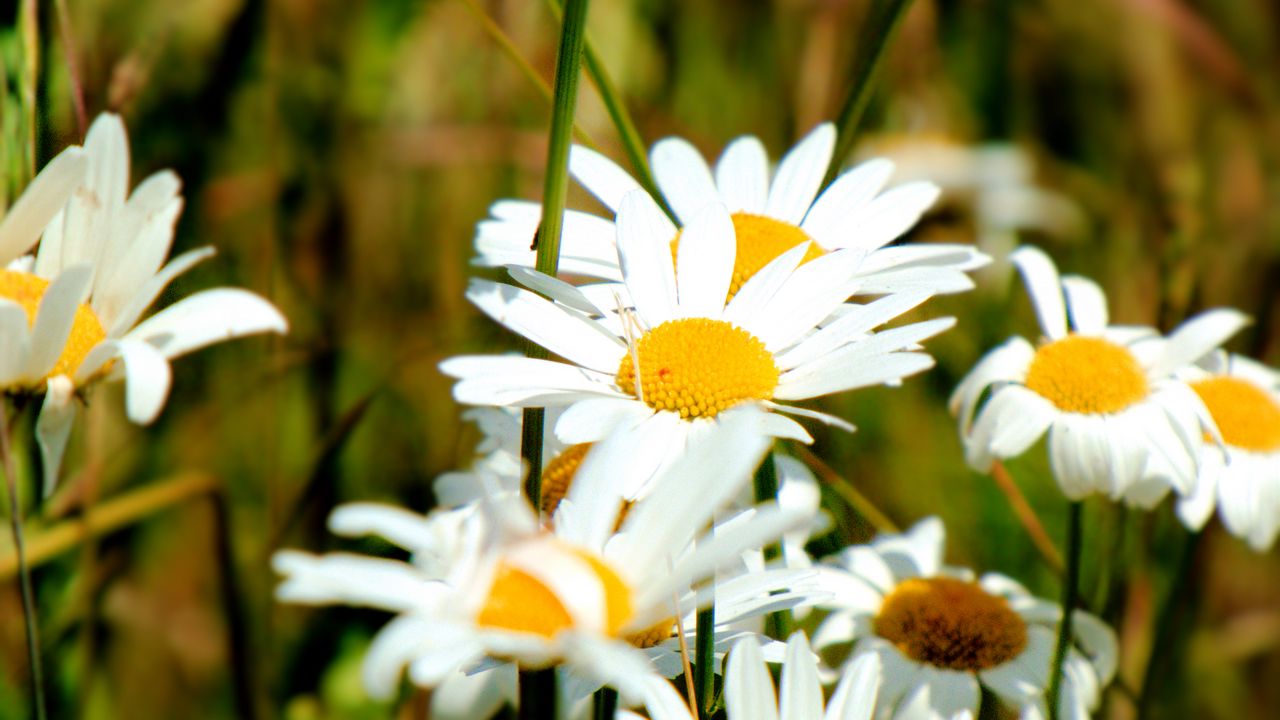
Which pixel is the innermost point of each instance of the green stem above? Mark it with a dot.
(1165, 630)
(1070, 585)
(704, 657)
(537, 694)
(778, 624)
(538, 687)
(606, 704)
(24, 572)
(883, 20)
(632, 144)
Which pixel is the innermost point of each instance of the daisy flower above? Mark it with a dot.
(749, 692)
(769, 215)
(696, 355)
(99, 267)
(1118, 421)
(486, 582)
(942, 637)
(1242, 475)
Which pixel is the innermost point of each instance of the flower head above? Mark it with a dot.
(770, 214)
(99, 267)
(941, 635)
(667, 353)
(1119, 421)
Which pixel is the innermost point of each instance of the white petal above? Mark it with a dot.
(748, 686)
(800, 174)
(15, 338)
(570, 336)
(147, 379)
(208, 317)
(1045, 289)
(55, 318)
(151, 290)
(53, 428)
(1198, 336)
(839, 203)
(591, 420)
(886, 218)
(601, 176)
(683, 177)
(1012, 421)
(852, 325)
(704, 264)
(644, 250)
(1086, 304)
(801, 693)
(520, 382)
(941, 695)
(42, 199)
(401, 527)
(1196, 508)
(759, 290)
(855, 696)
(742, 175)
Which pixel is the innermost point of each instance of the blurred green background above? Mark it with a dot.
(338, 154)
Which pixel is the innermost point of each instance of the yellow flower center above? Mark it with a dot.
(86, 330)
(520, 602)
(1087, 375)
(651, 636)
(699, 367)
(951, 624)
(557, 476)
(1247, 416)
(760, 240)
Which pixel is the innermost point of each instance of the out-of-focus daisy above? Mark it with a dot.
(1242, 475)
(769, 214)
(99, 267)
(696, 356)
(749, 692)
(1118, 421)
(941, 636)
(486, 581)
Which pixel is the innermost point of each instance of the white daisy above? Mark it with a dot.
(1242, 475)
(486, 582)
(99, 267)
(941, 636)
(698, 355)
(1119, 423)
(749, 692)
(769, 215)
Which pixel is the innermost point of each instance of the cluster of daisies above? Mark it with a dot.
(684, 334)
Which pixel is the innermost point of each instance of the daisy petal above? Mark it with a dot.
(55, 318)
(646, 259)
(800, 175)
(1198, 336)
(742, 176)
(704, 266)
(208, 317)
(844, 199)
(601, 176)
(801, 693)
(1045, 289)
(748, 686)
(684, 178)
(570, 336)
(37, 206)
(1086, 304)
(53, 428)
(148, 293)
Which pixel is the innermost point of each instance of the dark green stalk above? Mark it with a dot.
(24, 571)
(1070, 586)
(778, 624)
(704, 658)
(1165, 630)
(538, 688)
(632, 144)
(883, 20)
(606, 704)
(537, 694)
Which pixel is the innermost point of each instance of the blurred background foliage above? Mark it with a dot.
(338, 153)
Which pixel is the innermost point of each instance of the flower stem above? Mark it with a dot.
(24, 572)
(1027, 516)
(538, 694)
(1165, 631)
(704, 658)
(777, 624)
(606, 704)
(847, 492)
(1070, 583)
(883, 20)
(538, 687)
(632, 144)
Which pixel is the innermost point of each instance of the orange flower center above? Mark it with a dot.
(1247, 416)
(1087, 375)
(951, 624)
